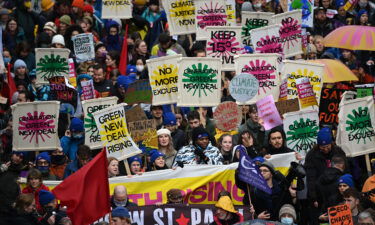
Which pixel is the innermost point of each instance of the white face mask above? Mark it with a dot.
(140, 68)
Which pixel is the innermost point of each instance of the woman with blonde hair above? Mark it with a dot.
(165, 145)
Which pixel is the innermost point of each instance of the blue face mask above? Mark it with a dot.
(77, 136)
(6, 60)
(43, 169)
(287, 220)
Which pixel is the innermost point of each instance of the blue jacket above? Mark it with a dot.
(70, 146)
(71, 168)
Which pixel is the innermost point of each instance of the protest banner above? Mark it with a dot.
(243, 87)
(253, 20)
(265, 68)
(121, 9)
(224, 43)
(199, 82)
(51, 62)
(266, 39)
(290, 32)
(136, 113)
(329, 105)
(113, 131)
(355, 132)
(72, 73)
(209, 13)
(163, 79)
(306, 93)
(268, 112)
(92, 136)
(230, 8)
(84, 47)
(283, 90)
(290, 105)
(62, 91)
(340, 214)
(307, 7)
(35, 126)
(180, 15)
(88, 90)
(227, 116)
(301, 129)
(138, 92)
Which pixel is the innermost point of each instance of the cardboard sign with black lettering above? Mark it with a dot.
(138, 129)
(253, 20)
(340, 214)
(84, 47)
(329, 105)
(180, 15)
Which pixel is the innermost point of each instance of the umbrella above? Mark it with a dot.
(352, 37)
(335, 71)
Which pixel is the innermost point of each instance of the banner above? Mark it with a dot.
(138, 92)
(163, 73)
(209, 13)
(355, 132)
(224, 43)
(266, 39)
(307, 7)
(51, 62)
(84, 47)
(268, 112)
(88, 90)
(253, 20)
(305, 91)
(35, 126)
(340, 214)
(329, 105)
(243, 87)
(199, 82)
(227, 116)
(180, 15)
(92, 136)
(72, 73)
(62, 91)
(121, 9)
(290, 32)
(265, 68)
(301, 129)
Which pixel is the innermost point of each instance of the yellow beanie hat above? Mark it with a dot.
(225, 203)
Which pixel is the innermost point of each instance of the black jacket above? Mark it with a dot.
(327, 186)
(179, 139)
(105, 88)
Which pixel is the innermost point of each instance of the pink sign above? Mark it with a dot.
(268, 112)
(283, 90)
(72, 73)
(87, 89)
(306, 93)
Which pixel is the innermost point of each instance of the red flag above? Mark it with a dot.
(86, 192)
(124, 53)
(11, 84)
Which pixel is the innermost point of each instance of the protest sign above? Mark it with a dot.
(136, 113)
(227, 116)
(243, 87)
(113, 131)
(72, 73)
(138, 92)
(62, 91)
(253, 20)
(51, 62)
(209, 13)
(92, 136)
(84, 47)
(307, 7)
(305, 91)
(355, 133)
(88, 90)
(199, 82)
(266, 39)
(121, 9)
(268, 112)
(364, 90)
(290, 105)
(35, 126)
(137, 129)
(340, 214)
(231, 12)
(283, 90)
(265, 68)
(301, 129)
(224, 43)
(290, 32)
(180, 15)
(163, 79)
(329, 105)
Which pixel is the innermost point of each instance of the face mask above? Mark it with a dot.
(43, 169)
(362, 4)
(120, 203)
(140, 68)
(58, 159)
(258, 5)
(287, 220)
(6, 60)
(77, 136)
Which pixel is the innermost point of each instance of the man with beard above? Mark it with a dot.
(276, 142)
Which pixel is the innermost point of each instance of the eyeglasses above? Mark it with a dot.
(264, 170)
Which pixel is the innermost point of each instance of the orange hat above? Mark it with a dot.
(78, 3)
(47, 4)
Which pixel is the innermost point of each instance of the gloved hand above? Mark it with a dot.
(201, 155)
(180, 164)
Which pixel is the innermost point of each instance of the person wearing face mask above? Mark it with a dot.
(225, 213)
(73, 137)
(120, 197)
(58, 163)
(42, 163)
(257, 5)
(287, 215)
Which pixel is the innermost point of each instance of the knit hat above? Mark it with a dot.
(269, 165)
(19, 63)
(58, 39)
(134, 159)
(258, 159)
(174, 194)
(47, 4)
(163, 131)
(340, 3)
(153, 2)
(43, 155)
(88, 8)
(361, 12)
(131, 69)
(347, 179)
(199, 132)
(84, 76)
(120, 212)
(288, 208)
(76, 125)
(247, 7)
(45, 197)
(225, 203)
(66, 19)
(78, 3)
(169, 119)
(125, 81)
(50, 26)
(155, 154)
(324, 136)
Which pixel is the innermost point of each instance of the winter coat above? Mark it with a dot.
(105, 88)
(187, 156)
(237, 218)
(179, 139)
(72, 168)
(327, 186)
(30, 190)
(128, 203)
(25, 219)
(256, 129)
(11, 41)
(70, 146)
(27, 20)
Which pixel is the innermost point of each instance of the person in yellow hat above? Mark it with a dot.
(225, 212)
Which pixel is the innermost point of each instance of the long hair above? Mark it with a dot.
(169, 148)
(23, 201)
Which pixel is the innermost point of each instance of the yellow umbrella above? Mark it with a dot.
(335, 71)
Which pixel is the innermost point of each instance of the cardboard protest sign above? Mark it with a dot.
(268, 112)
(209, 13)
(305, 91)
(114, 134)
(35, 126)
(163, 79)
(88, 90)
(180, 15)
(139, 92)
(136, 113)
(199, 82)
(224, 43)
(253, 20)
(307, 7)
(355, 133)
(290, 32)
(329, 105)
(340, 214)
(72, 73)
(144, 133)
(92, 136)
(283, 90)
(301, 130)
(51, 62)
(265, 68)
(266, 39)
(62, 91)
(243, 87)
(285, 106)
(121, 9)
(83, 47)
(228, 116)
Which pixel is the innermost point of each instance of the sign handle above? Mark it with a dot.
(368, 164)
(127, 168)
(248, 192)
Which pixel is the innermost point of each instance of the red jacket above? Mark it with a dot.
(30, 190)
